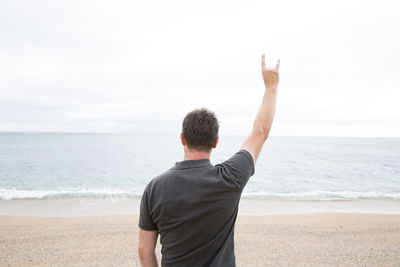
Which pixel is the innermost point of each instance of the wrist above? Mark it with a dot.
(271, 89)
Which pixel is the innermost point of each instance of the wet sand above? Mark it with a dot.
(323, 239)
(77, 207)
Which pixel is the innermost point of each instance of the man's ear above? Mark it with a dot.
(183, 140)
(216, 142)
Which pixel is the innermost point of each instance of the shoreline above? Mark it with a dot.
(324, 239)
(65, 208)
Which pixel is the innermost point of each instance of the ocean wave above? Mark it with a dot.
(12, 193)
(115, 193)
(323, 195)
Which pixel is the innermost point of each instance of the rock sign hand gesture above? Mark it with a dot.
(271, 76)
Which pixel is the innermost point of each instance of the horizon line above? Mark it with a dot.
(169, 132)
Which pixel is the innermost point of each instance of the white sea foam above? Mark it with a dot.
(323, 195)
(12, 193)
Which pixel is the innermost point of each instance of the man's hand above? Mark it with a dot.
(271, 76)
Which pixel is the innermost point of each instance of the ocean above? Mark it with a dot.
(118, 166)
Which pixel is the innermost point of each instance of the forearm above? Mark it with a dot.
(148, 259)
(265, 115)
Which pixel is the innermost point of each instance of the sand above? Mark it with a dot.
(331, 239)
(76, 207)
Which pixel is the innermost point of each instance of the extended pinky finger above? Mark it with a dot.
(278, 64)
(263, 62)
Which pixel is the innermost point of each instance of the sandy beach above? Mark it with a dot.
(324, 239)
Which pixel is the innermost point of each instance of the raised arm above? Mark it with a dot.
(265, 116)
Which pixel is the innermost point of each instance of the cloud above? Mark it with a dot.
(140, 66)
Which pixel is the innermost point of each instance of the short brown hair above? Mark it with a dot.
(200, 129)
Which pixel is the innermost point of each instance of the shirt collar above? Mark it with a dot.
(188, 164)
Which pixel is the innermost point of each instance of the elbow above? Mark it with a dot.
(265, 134)
(262, 131)
(142, 253)
(145, 254)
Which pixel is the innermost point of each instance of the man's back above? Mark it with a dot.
(193, 206)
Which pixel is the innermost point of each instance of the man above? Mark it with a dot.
(193, 206)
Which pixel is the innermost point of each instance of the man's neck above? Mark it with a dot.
(195, 155)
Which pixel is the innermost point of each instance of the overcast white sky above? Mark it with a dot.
(140, 66)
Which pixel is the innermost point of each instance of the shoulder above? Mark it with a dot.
(242, 157)
(237, 170)
(243, 154)
(158, 180)
(161, 184)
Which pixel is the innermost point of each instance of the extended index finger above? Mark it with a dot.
(263, 62)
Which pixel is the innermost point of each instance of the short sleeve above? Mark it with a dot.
(238, 169)
(145, 220)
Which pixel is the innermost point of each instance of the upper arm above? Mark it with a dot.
(253, 144)
(147, 240)
(236, 171)
(145, 219)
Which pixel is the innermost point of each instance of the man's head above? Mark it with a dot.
(200, 130)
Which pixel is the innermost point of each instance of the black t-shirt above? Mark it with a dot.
(193, 206)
